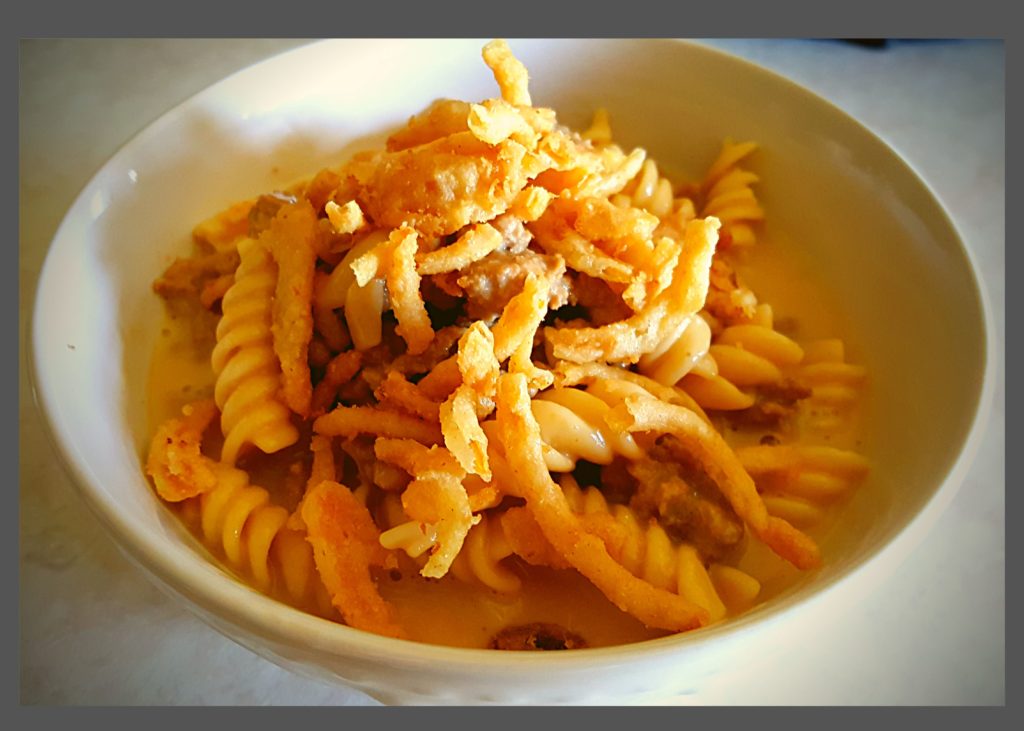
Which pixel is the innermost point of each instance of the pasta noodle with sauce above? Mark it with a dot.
(492, 368)
(248, 372)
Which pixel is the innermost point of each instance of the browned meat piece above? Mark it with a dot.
(187, 277)
(515, 237)
(602, 304)
(786, 392)
(762, 415)
(536, 636)
(685, 502)
(264, 210)
(491, 282)
(617, 485)
(775, 402)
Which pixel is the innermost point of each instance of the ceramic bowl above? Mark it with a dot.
(852, 213)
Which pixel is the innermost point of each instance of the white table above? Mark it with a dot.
(94, 631)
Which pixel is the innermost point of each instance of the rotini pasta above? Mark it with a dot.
(239, 521)
(741, 357)
(649, 190)
(728, 195)
(248, 372)
(483, 558)
(648, 552)
(572, 426)
(400, 533)
(835, 384)
(419, 342)
(363, 303)
(814, 473)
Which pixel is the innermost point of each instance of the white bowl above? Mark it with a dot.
(883, 248)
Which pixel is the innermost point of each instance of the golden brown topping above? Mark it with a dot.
(293, 242)
(346, 544)
(444, 185)
(175, 462)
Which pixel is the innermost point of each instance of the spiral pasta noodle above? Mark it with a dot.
(648, 190)
(744, 357)
(799, 481)
(572, 427)
(649, 553)
(239, 520)
(247, 369)
(482, 559)
(728, 195)
(835, 384)
(483, 553)
(363, 304)
(679, 353)
(400, 533)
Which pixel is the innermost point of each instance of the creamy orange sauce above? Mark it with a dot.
(180, 370)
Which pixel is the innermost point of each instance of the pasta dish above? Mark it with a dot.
(499, 384)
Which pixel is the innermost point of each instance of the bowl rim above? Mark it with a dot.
(242, 606)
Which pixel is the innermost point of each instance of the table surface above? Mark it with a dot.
(933, 633)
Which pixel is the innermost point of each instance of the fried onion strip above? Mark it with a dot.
(175, 461)
(625, 341)
(340, 370)
(473, 245)
(346, 544)
(293, 239)
(435, 496)
(396, 390)
(350, 421)
(521, 317)
(509, 72)
(584, 551)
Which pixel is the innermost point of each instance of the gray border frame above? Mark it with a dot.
(980, 19)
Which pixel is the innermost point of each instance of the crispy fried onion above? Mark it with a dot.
(625, 341)
(509, 72)
(443, 185)
(473, 245)
(346, 546)
(515, 330)
(473, 399)
(350, 421)
(294, 240)
(435, 497)
(395, 259)
(175, 461)
(322, 470)
(396, 390)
